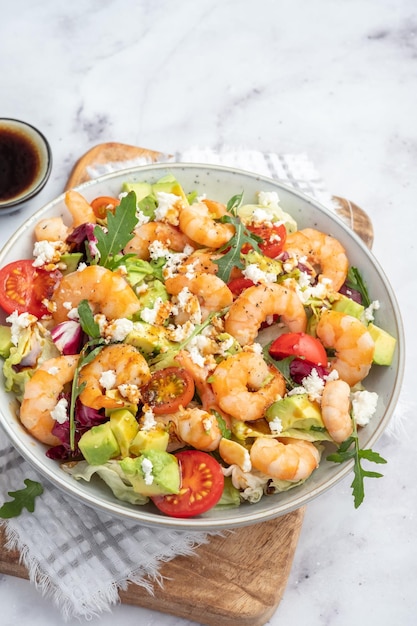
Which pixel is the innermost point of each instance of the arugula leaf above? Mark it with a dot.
(89, 326)
(283, 365)
(234, 246)
(355, 281)
(87, 354)
(120, 225)
(350, 449)
(23, 498)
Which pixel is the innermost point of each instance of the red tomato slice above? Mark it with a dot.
(237, 285)
(274, 238)
(202, 483)
(168, 389)
(23, 288)
(299, 345)
(102, 204)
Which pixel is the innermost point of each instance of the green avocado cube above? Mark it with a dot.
(98, 445)
(348, 306)
(384, 345)
(124, 426)
(142, 190)
(5, 341)
(156, 439)
(153, 473)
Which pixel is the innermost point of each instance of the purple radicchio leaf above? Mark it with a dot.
(68, 337)
(300, 369)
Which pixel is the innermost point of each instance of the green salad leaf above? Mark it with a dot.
(231, 259)
(355, 281)
(22, 499)
(120, 225)
(350, 449)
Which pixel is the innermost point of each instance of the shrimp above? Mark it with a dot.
(285, 458)
(323, 250)
(198, 222)
(256, 303)
(115, 366)
(335, 404)
(81, 211)
(51, 229)
(352, 342)
(41, 396)
(198, 428)
(244, 385)
(212, 292)
(107, 292)
(200, 261)
(146, 234)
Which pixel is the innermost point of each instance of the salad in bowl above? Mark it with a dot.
(195, 346)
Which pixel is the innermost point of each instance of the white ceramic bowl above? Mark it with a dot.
(222, 183)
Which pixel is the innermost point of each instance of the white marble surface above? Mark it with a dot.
(336, 80)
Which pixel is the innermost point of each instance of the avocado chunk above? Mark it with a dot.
(5, 341)
(98, 445)
(346, 305)
(156, 289)
(124, 426)
(71, 260)
(384, 345)
(153, 473)
(156, 439)
(148, 339)
(299, 416)
(142, 190)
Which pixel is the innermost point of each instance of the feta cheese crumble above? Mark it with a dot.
(147, 468)
(364, 405)
(19, 323)
(60, 412)
(108, 379)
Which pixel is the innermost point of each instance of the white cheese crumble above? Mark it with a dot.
(368, 313)
(166, 207)
(147, 467)
(118, 329)
(46, 252)
(256, 275)
(149, 421)
(275, 426)
(53, 371)
(18, 324)
(149, 315)
(108, 379)
(268, 198)
(60, 412)
(363, 406)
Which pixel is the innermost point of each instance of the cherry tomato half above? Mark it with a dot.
(299, 345)
(168, 389)
(202, 483)
(274, 238)
(102, 204)
(23, 288)
(237, 285)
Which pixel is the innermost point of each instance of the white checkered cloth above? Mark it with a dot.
(81, 558)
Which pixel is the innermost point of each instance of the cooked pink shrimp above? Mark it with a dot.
(81, 210)
(212, 292)
(41, 396)
(116, 366)
(352, 342)
(335, 405)
(244, 385)
(285, 458)
(255, 304)
(146, 234)
(106, 291)
(198, 222)
(322, 250)
(198, 428)
(51, 229)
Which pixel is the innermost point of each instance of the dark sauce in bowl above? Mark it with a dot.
(20, 163)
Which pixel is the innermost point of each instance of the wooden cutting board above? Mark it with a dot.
(234, 580)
